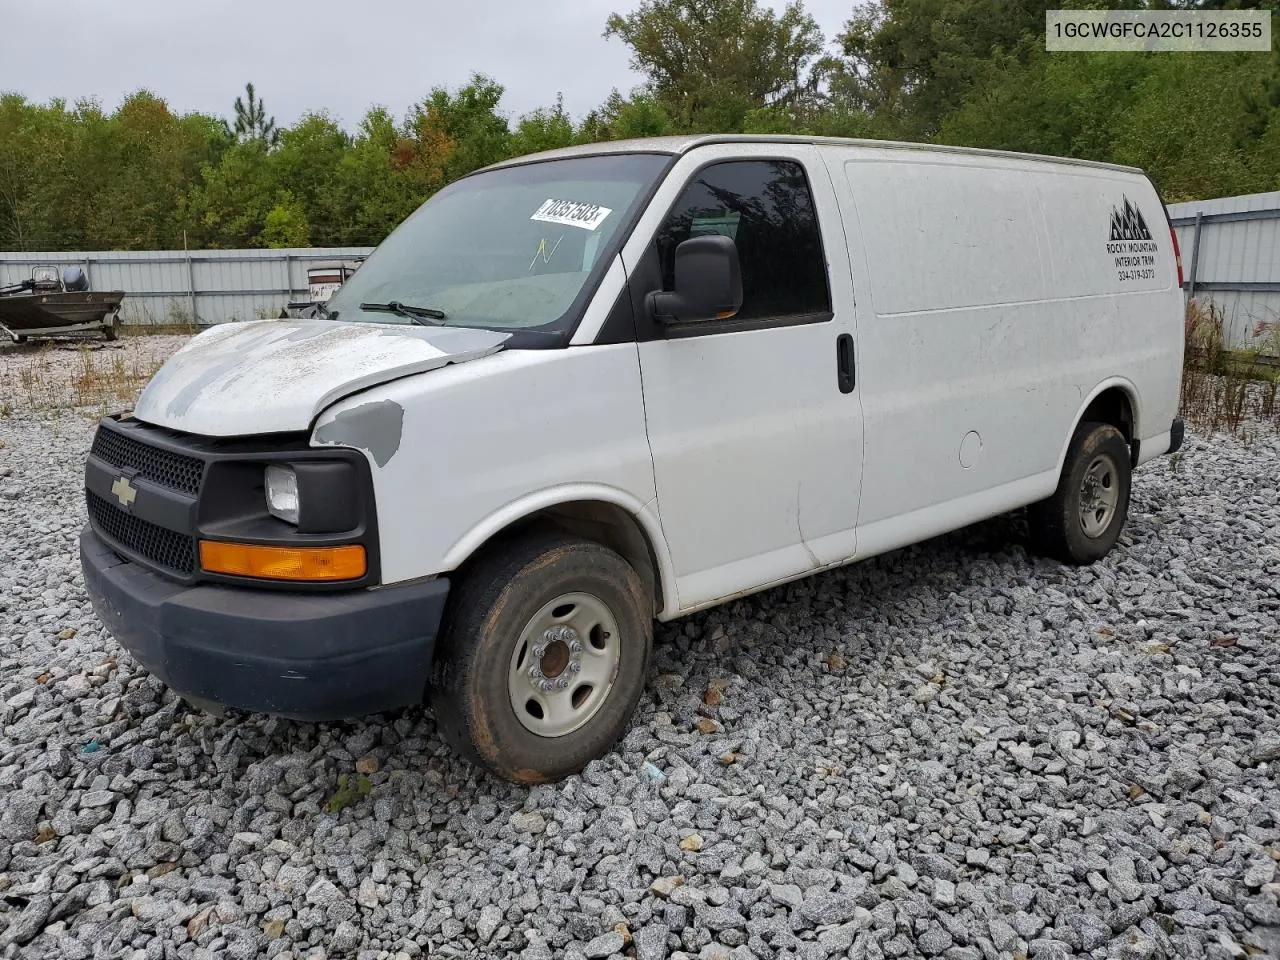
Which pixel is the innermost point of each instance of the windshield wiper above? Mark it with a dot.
(309, 310)
(416, 314)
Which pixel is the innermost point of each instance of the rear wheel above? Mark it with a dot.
(544, 658)
(1081, 522)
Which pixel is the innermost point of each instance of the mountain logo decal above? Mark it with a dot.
(1127, 223)
(1131, 246)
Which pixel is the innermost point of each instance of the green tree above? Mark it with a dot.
(543, 129)
(619, 118)
(81, 178)
(711, 62)
(252, 122)
(374, 180)
(1062, 104)
(228, 207)
(956, 71)
(140, 162)
(461, 131)
(307, 163)
(1198, 124)
(285, 224)
(913, 62)
(26, 130)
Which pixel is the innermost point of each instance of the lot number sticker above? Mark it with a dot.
(571, 213)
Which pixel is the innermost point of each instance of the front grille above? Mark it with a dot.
(165, 548)
(164, 467)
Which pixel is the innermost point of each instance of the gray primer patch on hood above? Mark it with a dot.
(375, 427)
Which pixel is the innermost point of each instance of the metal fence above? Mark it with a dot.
(1231, 256)
(198, 286)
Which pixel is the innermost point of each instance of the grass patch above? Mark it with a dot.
(349, 791)
(160, 329)
(101, 382)
(1226, 390)
(111, 383)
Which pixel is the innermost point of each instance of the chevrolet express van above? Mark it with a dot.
(578, 391)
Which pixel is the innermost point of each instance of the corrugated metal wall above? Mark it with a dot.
(1232, 256)
(203, 286)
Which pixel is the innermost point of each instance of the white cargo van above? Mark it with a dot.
(577, 391)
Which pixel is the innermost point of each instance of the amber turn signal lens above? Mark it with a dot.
(283, 563)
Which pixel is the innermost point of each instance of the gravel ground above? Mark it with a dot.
(42, 378)
(955, 750)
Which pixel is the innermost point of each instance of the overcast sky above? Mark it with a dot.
(311, 54)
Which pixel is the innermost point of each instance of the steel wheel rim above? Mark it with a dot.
(564, 665)
(1099, 496)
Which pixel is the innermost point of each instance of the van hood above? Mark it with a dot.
(276, 376)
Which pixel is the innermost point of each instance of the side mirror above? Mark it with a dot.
(708, 283)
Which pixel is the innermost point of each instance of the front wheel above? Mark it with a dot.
(1081, 522)
(112, 330)
(544, 658)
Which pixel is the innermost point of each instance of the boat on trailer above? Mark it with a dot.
(57, 303)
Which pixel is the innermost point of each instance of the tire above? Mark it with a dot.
(112, 332)
(1081, 522)
(508, 617)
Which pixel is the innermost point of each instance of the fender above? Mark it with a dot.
(645, 514)
(1130, 391)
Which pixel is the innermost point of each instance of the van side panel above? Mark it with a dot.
(566, 425)
(995, 304)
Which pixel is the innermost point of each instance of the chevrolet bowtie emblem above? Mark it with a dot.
(124, 491)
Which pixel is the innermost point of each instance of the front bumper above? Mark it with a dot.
(314, 656)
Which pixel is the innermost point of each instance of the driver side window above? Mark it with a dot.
(766, 208)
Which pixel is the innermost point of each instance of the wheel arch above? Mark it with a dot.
(605, 515)
(1113, 401)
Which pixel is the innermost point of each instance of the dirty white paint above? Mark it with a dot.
(989, 303)
(992, 302)
(756, 452)
(487, 443)
(275, 376)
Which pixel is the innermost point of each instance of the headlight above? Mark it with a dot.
(282, 493)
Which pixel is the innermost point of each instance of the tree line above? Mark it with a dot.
(968, 72)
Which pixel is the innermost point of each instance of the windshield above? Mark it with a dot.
(511, 249)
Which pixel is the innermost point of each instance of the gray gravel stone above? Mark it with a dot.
(944, 893)
(1090, 769)
(346, 937)
(528, 822)
(1267, 747)
(934, 940)
(323, 893)
(827, 908)
(604, 945)
(836, 940)
(663, 886)
(787, 894)
(717, 919)
(1121, 875)
(1092, 931)
(487, 925)
(651, 942)
(1259, 872)
(1002, 935)
(31, 920)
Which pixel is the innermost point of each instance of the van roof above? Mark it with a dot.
(683, 144)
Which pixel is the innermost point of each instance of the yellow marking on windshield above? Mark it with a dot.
(542, 252)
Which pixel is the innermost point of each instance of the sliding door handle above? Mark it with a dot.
(844, 363)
